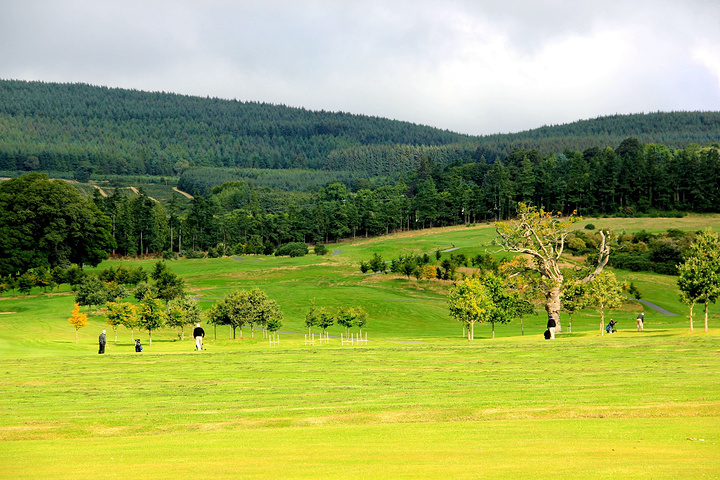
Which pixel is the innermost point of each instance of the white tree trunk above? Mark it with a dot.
(692, 306)
(552, 306)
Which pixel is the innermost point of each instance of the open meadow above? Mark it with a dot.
(416, 401)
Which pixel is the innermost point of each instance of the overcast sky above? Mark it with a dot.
(475, 67)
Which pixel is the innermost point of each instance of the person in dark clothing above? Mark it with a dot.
(138, 347)
(611, 327)
(641, 322)
(102, 340)
(198, 333)
(551, 326)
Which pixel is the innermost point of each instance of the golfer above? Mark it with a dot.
(551, 326)
(641, 322)
(102, 340)
(198, 333)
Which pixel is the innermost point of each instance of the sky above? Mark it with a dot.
(475, 67)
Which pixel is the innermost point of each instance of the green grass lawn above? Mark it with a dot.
(417, 401)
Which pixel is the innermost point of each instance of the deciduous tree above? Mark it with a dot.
(573, 300)
(312, 317)
(78, 320)
(151, 315)
(604, 292)
(121, 313)
(541, 235)
(470, 302)
(45, 223)
(699, 280)
(91, 292)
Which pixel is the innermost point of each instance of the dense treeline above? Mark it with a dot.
(201, 180)
(95, 130)
(236, 217)
(628, 180)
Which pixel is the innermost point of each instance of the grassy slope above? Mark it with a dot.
(631, 405)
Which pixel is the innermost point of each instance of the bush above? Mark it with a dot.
(168, 255)
(589, 226)
(636, 262)
(576, 244)
(377, 264)
(292, 249)
(426, 273)
(321, 249)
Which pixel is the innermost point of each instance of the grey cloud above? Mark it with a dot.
(453, 64)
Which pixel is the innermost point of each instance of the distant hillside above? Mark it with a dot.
(127, 131)
(674, 130)
(77, 127)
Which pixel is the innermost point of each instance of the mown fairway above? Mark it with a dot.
(416, 402)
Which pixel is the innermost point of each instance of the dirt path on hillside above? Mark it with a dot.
(183, 193)
(102, 192)
(138, 193)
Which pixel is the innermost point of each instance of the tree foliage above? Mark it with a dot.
(699, 280)
(482, 300)
(151, 315)
(78, 320)
(541, 236)
(605, 292)
(46, 223)
(121, 313)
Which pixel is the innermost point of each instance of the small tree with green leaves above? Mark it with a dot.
(143, 289)
(273, 324)
(699, 280)
(176, 316)
(312, 317)
(361, 318)
(633, 291)
(377, 264)
(169, 285)
(326, 318)
(604, 292)
(219, 314)
(120, 313)
(25, 282)
(344, 317)
(270, 316)
(151, 315)
(470, 302)
(573, 300)
(91, 292)
(193, 313)
(505, 305)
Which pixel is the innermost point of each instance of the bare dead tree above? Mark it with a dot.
(541, 235)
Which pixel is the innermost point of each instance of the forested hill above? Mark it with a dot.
(66, 127)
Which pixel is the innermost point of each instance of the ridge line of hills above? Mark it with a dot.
(62, 127)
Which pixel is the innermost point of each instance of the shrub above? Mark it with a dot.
(268, 248)
(576, 244)
(292, 249)
(589, 226)
(377, 264)
(427, 272)
(321, 249)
